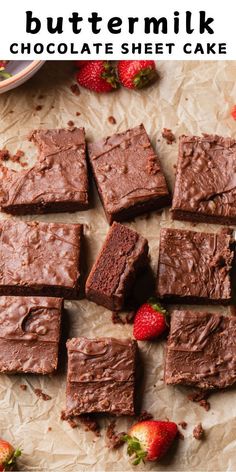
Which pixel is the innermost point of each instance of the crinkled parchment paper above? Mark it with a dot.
(190, 97)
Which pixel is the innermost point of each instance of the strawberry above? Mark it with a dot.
(8, 455)
(150, 440)
(98, 76)
(136, 74)
(233, 112)
(150, 321)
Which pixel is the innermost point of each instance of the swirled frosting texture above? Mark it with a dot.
(101, 376)
(195, 266)
(29, 334)
(201, 350)
(57, 182)
(128, 174)
(205, 187)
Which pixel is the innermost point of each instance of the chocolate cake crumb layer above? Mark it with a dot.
(101, 376)
(205, 187)
(40, 258)
(128, 174)
(201, 350)
(29, 334)
(56, 183)
(124, 252)
(195, 267)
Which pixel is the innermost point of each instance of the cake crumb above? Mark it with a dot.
(41, 394)
(145, 416)
(75, 89)
(70, 123)
(4, 155)
(198, 432)
(115, 440)
(168, 135)
(38, 107)
(90, 423)
(183, 424)
(112, 120)
(116, 319)
(41, 97)
(23, 387)
(49, 428)
(78, 113)
(200, 397)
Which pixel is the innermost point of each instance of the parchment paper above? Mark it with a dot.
(190, 97)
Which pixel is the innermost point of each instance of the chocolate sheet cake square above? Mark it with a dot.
(56, 183)
(101, 376)
(128, 174)
(29, 334)
(39, 258)
(195, 267)
(205, 187)
(123, 254)
(201, 350)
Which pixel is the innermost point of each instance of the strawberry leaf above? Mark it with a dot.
(153, 302)
(134, 449)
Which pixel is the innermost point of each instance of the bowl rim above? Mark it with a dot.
(20, 75)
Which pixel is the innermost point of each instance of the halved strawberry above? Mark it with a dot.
(150, 440)
(8, 455)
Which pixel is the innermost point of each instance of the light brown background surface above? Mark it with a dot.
(190, 97)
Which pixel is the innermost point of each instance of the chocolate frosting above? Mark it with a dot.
(29, 334)
(195, 265)
(59, 176)
(38, 256)
(122, 253)
(206, 177)
(127, 158)
(101, 375)
(201, 350)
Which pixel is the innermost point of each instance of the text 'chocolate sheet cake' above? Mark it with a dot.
(128, 174)
(29, 334)
(123, 254)
(205, 187)
(101, 376)
(194, 266)
(201, 350)
(56, 183)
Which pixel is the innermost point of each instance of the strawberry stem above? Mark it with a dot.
(144, 77)
(134, 449)
(158, 307)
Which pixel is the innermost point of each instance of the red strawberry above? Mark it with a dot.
(233, 112)
(150, 321)
(136, 74)
(150, 440)
(8, 455)
(98, 76)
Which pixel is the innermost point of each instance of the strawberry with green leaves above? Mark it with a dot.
(136, 74)
(8, 456)
(150, 440)
(99, 76)
(151, 321)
